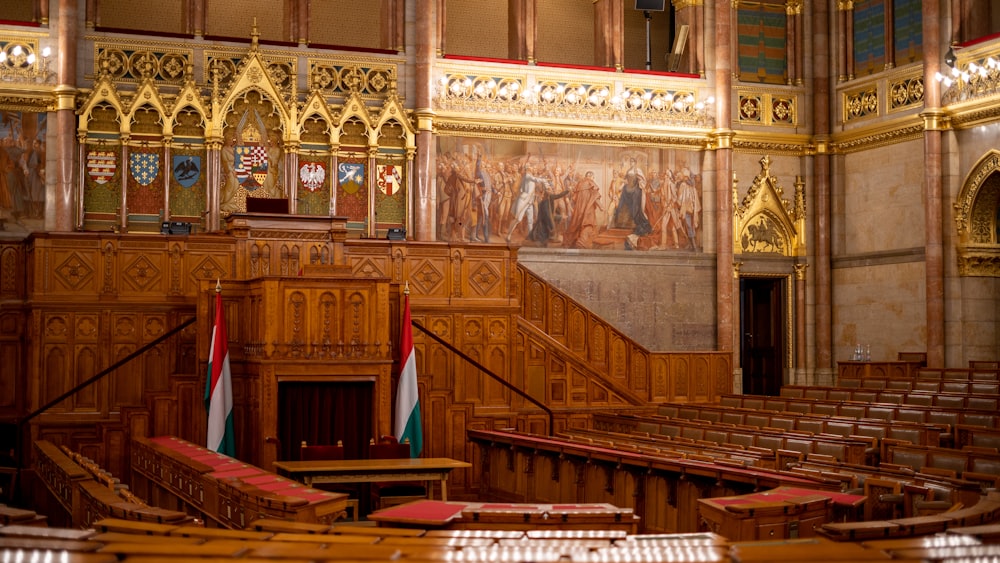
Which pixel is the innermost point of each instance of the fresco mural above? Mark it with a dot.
(568, 196)
(22, 170)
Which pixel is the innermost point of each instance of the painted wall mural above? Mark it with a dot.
(568, 196)
(22, 170)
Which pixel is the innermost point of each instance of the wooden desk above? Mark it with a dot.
(781, 513)
(372, 470)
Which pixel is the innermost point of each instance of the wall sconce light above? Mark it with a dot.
(950, 57)
(19, 63)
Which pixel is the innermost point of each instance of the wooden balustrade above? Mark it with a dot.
(521, 467)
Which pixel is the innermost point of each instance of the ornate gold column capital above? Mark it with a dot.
(424, 118)
(845, 5)
(736, 268)
(65, 97)
(936, 120)
(793, 7)
(800, 271)
(820, 145)
(721, 139)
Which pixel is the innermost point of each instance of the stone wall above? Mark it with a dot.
(664, 301)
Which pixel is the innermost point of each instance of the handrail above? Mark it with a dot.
(486, 370)
(106, 371)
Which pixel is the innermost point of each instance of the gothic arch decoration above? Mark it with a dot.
(190, 133)
(766, 222)
(977, 219)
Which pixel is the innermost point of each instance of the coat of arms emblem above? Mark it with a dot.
(389, 178)
(187, 169)
(144, 166)
(312, 174)
(101, 165)
(250, 160)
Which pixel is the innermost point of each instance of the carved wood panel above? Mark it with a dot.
(474, 297)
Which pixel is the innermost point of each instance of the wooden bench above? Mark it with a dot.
(788, 445)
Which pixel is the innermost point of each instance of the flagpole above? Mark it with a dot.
(407, 416)
(218, 385)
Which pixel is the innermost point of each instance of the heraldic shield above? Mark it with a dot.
(389, 178)
(186, 169)
(101, 165)
(145, 167)
(250, 160)
(312, 174)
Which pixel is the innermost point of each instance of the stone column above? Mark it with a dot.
(610, 37)
(167, 168)
(424, 197)
(66, 178)
(842, 38)
(213, 184)
(821, 179)
(521, 42)
(890, 36)
(198, 15)
(800, 322)
(848, 12)
(91, 18)
(291, 174)
(725, 285)
(795, 40)
(934, 124)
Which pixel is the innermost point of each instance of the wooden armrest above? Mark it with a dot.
(938, 472)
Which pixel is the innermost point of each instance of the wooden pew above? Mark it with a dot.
(953, 400)
(553, 462)
(788, 445)
(667, 446)
(916, 432)
(948, 418)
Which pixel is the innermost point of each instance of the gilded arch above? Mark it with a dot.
(189, 129)
(977, 208)
(765, 222)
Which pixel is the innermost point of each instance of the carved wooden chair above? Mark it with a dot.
(321, 452)
(386, 494)
(884, 499)
(309, 452)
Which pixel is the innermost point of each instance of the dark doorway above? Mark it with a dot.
(322, 413)
(762, 335)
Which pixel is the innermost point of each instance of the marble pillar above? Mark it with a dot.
(725, 285)
(424, 200)
(64, 208)
(933, 185)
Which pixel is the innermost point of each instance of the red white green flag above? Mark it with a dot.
(219, 387)
(407, 425)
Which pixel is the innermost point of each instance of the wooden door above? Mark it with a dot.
(762, 335)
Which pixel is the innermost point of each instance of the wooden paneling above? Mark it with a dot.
(93, 298)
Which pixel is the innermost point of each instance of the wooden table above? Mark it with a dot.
(372, 470)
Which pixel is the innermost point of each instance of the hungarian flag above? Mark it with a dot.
(219, 387)
(407, 401)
